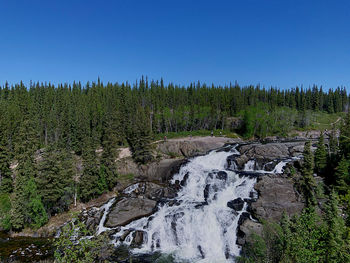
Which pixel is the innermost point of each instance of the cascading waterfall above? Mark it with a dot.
(201, 227)
(200, 224)
(101, 228)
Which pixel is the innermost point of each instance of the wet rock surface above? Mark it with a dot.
(129, 209)
(236, 204)
(276, 195)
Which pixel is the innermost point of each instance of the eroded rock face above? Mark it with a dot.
(272, 150)
(129, 209)
(276, 194)
(264, 153)
(189, 147)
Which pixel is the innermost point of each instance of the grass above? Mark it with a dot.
(126, 177)
(202, 133)
(323, 120)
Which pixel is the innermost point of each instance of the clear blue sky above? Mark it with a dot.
(281, 43)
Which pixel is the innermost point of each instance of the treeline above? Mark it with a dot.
(58, 143)
(321, 233)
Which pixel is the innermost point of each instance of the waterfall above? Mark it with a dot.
(202, 226)
(105, 208)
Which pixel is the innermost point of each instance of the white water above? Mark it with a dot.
(203, 234)
(101, 228)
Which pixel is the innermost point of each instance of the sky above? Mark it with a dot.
(268, 42)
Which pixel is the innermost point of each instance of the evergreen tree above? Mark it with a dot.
(90, 184)
(6, 184)
(342, 176)
(337, 245)
(320, 156)
(55, 179)
(36, 212)
(344, 140)
(307, 182)
(140, 138)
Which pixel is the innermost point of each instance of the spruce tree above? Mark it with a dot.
(320, 156)
(36, 212)
(140, 138)
(55, 179)
(307, 181)
(337, 244)
(344, 140)
(5, 171)
(342, 176)
(90, 183)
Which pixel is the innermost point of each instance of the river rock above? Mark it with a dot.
(129, 209)
(236, 204)
(221, 175)
(276, 194)
(137, 238)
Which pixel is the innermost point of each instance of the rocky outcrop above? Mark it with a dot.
(188, 147)
(263, 153)
(246, 229)
(276, 195)
(172, 155)
(129, 209)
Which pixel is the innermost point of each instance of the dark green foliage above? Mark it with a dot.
(91, 183)
(307, 182)
(344, 139)
(336, 238)
(36, 212)
(320, 156)
(342, 176)
(6, 184)
(305, 238)
(139, 137)
(55, 179)
(5, 211)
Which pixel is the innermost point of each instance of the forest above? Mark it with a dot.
(46, 129)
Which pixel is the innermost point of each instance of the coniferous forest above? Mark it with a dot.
(45, 129)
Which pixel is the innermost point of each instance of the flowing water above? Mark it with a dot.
(200, 227)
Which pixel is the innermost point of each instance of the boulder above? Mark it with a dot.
(129, 209)
(137, 238)
(246, 229)
(276, 195)
(152, 191)
(221, 175)
(236, 204)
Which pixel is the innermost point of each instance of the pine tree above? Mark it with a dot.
(320, 156)
(344, 140)
(55, 179)
(25, 170)
(36, 212)
(5, 171)
(19, 213)
(90, 183)
(140, 138)
(307, 181)
(342, 176)
(337, 245)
